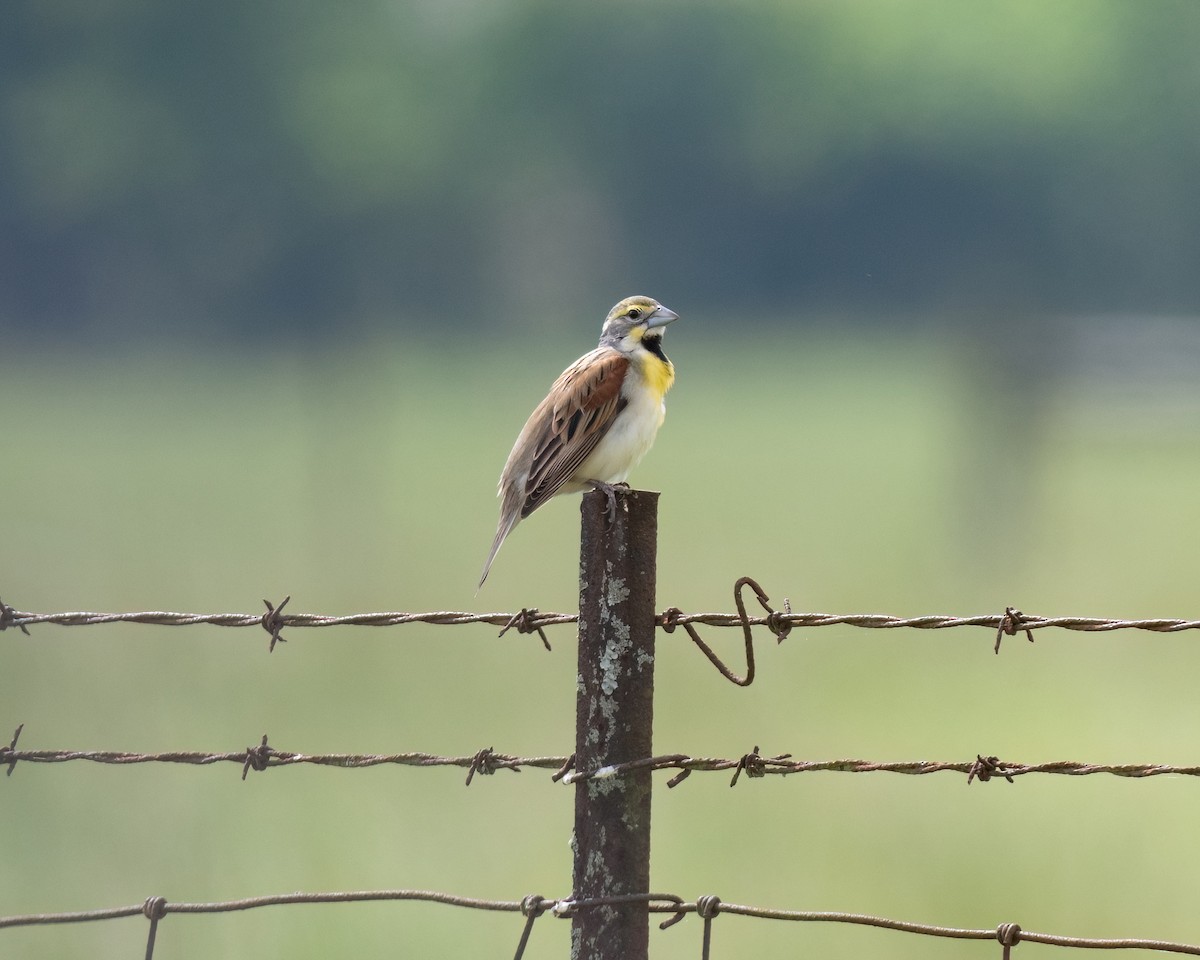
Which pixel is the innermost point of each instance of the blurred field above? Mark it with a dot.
(860, 473)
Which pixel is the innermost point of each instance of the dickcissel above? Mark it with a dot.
(598, 420)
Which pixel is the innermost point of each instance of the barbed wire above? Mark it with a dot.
(532, 620)
(534, 906)
(487, 761)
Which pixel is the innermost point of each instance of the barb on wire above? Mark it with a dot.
(257, 758)
(1012, 621)
(755, 765)
(531, 907)
(984, 768)
(8, 618)
(9, 754)
(487, 762)
(272, 621)
(525, 622)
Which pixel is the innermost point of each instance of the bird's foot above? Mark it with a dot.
(610, 492)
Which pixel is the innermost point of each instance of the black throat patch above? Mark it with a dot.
(654, 345)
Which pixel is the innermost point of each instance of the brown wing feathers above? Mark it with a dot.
(580, 408)
(558, 436)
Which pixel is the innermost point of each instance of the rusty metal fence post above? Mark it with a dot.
(614, 714)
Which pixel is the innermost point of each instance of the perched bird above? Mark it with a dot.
(598, 420)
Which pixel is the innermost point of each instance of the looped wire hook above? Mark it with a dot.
(775, 623)
(568, 908)
(155, 908)
(677, 915)
(707, 907)
(1009, 935)
(532, 907)
(566, 768)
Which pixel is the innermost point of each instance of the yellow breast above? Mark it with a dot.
(658, 375)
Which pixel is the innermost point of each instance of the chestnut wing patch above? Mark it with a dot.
(581, 407)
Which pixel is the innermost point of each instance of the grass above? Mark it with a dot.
(851, 474)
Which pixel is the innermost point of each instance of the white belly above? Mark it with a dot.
(619, 450)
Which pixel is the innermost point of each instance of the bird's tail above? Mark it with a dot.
(508, 520)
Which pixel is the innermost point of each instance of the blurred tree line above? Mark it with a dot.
(250, 167)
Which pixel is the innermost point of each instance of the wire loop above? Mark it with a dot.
(1009, 935)
(155, 908)
(532, 907)
(775, 622)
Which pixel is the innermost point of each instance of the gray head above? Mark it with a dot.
(633, 320)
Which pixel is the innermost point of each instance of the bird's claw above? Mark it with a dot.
(610, 492)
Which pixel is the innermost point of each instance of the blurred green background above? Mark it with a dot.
(279, 284)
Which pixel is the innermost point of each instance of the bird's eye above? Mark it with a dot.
(635, 314)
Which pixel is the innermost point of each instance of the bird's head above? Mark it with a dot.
(634, 321)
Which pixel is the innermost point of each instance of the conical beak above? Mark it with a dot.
(661, 317)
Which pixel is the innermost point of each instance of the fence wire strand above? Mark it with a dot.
(488, 761)
(532, 619)
(533, 906)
